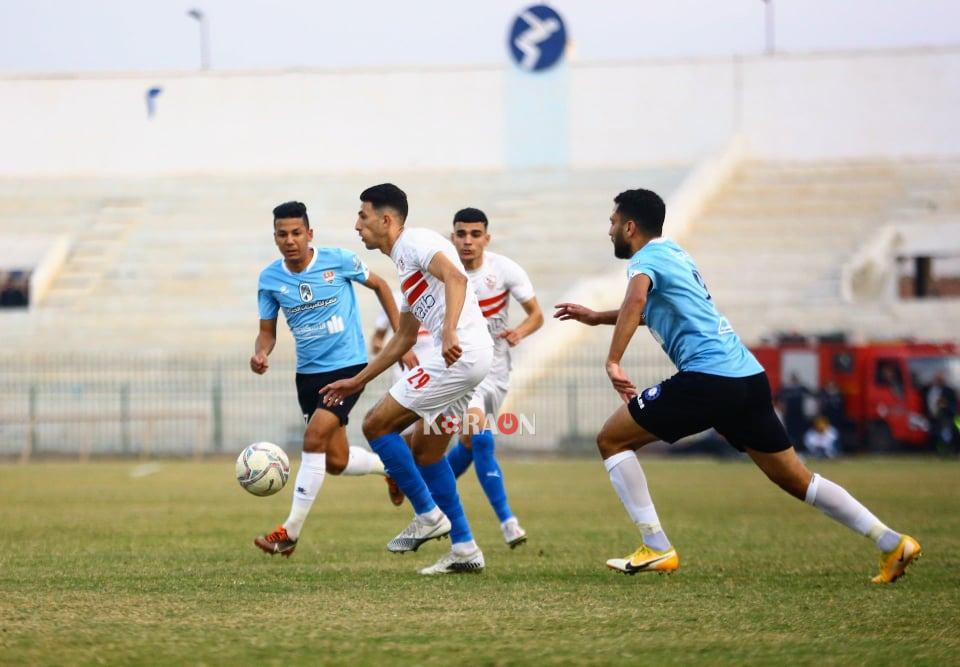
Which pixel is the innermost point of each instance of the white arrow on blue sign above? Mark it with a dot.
(538, 38)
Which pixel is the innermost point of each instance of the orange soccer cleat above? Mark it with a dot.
(277, 542)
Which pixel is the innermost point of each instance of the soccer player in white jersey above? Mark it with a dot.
(314, 288)
(437, 294)
(719, 384)
(495, 279)
(422, 349)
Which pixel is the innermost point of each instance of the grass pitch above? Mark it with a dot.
(99, 566)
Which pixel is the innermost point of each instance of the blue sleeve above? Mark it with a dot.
(267, 302)
(645, 266)
(353, 267)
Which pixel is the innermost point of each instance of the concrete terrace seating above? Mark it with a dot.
(171, 264)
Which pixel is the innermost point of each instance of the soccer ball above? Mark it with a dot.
(263, 468)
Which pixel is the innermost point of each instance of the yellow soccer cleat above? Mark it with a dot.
(893, 564)
(646, 559)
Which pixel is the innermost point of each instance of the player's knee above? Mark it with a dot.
(372, 427)
(314, 442)
(607, 445)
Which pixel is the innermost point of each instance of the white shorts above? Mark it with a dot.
(433, 388)
(489, 394)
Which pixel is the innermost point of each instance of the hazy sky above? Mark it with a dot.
(91, 35)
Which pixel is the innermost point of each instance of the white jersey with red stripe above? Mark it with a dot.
(423, 294)
(423, 348)
(494, 282)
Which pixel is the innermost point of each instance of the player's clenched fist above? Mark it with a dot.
(258, 363)
(451, 348)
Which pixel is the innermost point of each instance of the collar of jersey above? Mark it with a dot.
(283, 263)
(395, 243)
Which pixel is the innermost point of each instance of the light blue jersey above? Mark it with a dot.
(682, 317)
(320, 308)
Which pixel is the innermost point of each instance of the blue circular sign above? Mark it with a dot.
(537, 38)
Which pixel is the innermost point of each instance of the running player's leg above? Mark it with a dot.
(321, 429)
(487, 400)
(344, 459)
(353, 461)
(382, 427)
(618, 441)
(761, 434)
(428, 451)
(460, 455)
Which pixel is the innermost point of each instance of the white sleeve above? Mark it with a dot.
(517, 281)
(427, 245)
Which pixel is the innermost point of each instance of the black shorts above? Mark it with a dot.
(741, 409)
(310, 384)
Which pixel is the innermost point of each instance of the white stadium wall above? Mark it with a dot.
(903, 103)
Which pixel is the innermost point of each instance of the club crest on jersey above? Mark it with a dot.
(306, 292)
(328, 276)
(490, 281)
(651, 393)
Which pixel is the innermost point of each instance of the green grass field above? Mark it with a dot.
(98, 566)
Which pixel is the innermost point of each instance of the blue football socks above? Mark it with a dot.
(459, 458)
(490, 476)
(398, 460)
(443, 486)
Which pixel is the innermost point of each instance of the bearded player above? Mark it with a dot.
(719, 384)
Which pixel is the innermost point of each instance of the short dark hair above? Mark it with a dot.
(470, 215)
(387, 194)
(644, 207)
(292, 209)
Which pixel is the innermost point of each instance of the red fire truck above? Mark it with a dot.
(884, 384)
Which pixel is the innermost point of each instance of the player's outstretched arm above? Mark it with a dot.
(385, 296)
(531, 323)
(574, 311)
(266, 340)
(395, 348)
(455, 294)
(631, 313)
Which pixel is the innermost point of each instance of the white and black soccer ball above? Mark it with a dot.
(263, 468)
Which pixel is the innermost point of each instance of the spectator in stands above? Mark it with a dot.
(793, 396)
(820, 440)
(940, 400)
(14, 290)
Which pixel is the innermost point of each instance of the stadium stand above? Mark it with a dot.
(168, 267)
(172, 264)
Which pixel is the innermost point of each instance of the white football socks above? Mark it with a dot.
(630, 483)
(363, 462)
(834, 501)
(313, 468)
(464, 548)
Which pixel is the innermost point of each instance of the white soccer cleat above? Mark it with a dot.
(418, 532)
(513, 534)
(452, 563)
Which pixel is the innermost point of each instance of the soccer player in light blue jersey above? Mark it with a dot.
(719, 384)
(313, 286)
